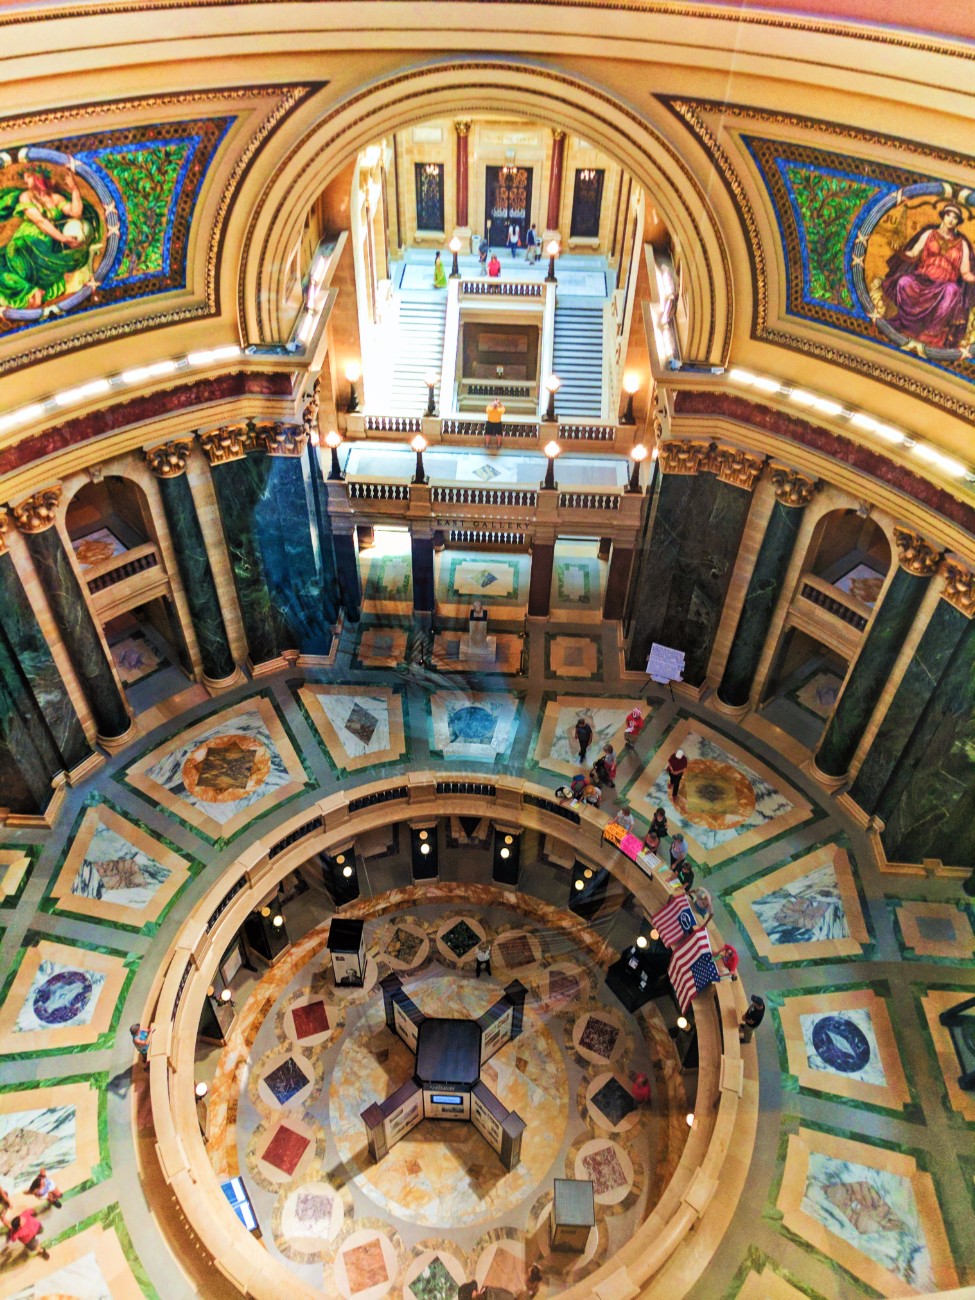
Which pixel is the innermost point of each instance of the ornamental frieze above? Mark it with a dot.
(915, 554)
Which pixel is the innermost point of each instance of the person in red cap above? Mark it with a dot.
(641, 1089)
(633, 725)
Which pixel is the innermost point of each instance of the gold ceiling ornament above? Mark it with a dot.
(169, 459)
(791, 487)
(230, 443)
(959, 588)
(462, 127)
(4, 524)
(282, 439)
(37, 513)
(915, 554)
(735, 467)
(682, 457)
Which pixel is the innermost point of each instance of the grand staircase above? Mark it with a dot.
(578, 361)
(419, 348)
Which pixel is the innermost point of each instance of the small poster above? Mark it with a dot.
(665, 664)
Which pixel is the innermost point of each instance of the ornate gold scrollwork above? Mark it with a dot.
(960, 588)
(230, 443)
(682, 457)
(791, 487)
(282, 439)
(915, 554)
(4, 524)
(169, 459)
(736, 467)
(37, 513)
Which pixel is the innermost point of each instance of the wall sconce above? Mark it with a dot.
(631, 386)
(552, 385)
(638, 455)
(278, 921)
(353, 373)
(552, 449)
(419, 445)
(454, 247)
(347, 871)
(553, 251)
(431, 382)
(333, 441)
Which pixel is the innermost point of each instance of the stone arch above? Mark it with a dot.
(540, 94)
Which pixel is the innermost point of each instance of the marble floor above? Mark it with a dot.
(862, 1181)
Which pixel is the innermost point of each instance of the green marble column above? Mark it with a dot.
(25, 736)
(764, 589)
(940, 640)
(685, 575)
(928, 806)
(887, 633)
(193, 563)
(74, 620)
(28, 648)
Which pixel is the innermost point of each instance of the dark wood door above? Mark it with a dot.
(508, 199)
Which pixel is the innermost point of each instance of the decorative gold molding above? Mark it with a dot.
(735, 467)
(309, 418)
(791, 487)
(230, 443)
(282, 439)
(915, 554)
(4, 525)
(169, 459)
(558, 133)
(462, 127)
(37, 513)
(959, 588)
(681, 456)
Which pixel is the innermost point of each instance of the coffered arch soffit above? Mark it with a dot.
(826, 212)
(537, 94)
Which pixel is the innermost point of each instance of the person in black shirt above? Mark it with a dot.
(583, 737)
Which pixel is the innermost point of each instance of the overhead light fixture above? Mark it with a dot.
(505, 853)
(424, 848)
(347, 871)
(278, 921)
(690, 1119)
(641, 941)
(72, 395)
(226, 996)
(740, 376)
(580, 884)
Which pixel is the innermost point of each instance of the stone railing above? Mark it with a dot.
(404, 424)
(570, 499)
(505, 430)
(378, 490)
(579, 435)
(671, 1247)
(126, 580)
(523, 498)
(485, 288)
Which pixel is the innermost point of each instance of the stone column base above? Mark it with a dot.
(114, 743)
(829, 783)
(729, 710)
(217, 684)
(86, 769)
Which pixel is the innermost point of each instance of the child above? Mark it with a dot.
(45, 1189)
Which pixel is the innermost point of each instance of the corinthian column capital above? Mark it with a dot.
(37, 513)
(169, 459)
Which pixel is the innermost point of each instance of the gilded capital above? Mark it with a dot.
(282, 439)
(915, 554)
(681, 457)
(462, 127)
(231, 443)
(37, 513)
(4, 524)
(558, 133)
(791, 487)
(736, 467)
(169, 459)
(959, 588)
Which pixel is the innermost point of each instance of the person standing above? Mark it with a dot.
(683, 872)
(583, 737)
(533, 1282)
(482, 255)
(45, 1189)
(439, 274)
(752, 1018)
(514, 238)
(624, 818)
(140, 1041)
(634, 724)
(676, 767)
(26, 1228)
(531, 244)
(482, 958)
(659, 824)
(641, 1090)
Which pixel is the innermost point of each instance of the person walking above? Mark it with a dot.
(605, 767)
(140, 1041)
(583, 735)
(25, 1229)
(482, 958)
(752, 1018)
(439, 274)
(514, 238)
(45, 1189)
(640, 1091)
(676, 767)
(531, 245)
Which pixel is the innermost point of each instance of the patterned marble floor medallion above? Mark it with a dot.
(285, 1080)
(842, 1042)
(404, 945)
(359, 726)
(516, 950)
(135, 658)
(871, 1209)
(16, 865)
(434, 1275)
(728, 802)
(819, 693)
(573, 656)
(55, 1127)
(933, 1002)
(223, 773)
(555, 747)
(62, 996)
(307, 1219)
(575, 583)
(457, 938)
(281, 1151)
(116, 872)
(763, 1283)
(560, 986)
(599, 1037)
(94, 1263)
(365, 1265)
(610, 1103)
(939, 932)
(491, 578)
(502, 1265)
(446, 1174)
(309, 1020)
(608, 1166)
(381, 647)
(468, 724)
(808, 910)
(387, 581)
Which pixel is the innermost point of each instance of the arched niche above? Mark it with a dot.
(451, 89)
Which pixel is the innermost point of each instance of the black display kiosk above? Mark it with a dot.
(347, 948)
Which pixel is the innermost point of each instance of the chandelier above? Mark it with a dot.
(587, 175)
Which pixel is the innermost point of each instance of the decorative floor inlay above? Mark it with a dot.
(555, 746)
(573, 656)
(287, 1080)
(436, 1282)
(934, 1000)
(225, 772)
(381, 647)
(460, 939)
(96, 547)
(472, 725)
(358, 726)
(310, 1020)
(819, 694)
(15, 868)
(613, 1100)
(56, 1126)
(939, 932)
(807, 910)
(135, 658)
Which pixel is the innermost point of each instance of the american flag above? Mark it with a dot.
(692, 968)
(675, 921)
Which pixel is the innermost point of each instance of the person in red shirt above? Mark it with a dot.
(729, 956)
(641, 1089)
(676, 767)
(633, 726)
(494, 267)
(25, 1228)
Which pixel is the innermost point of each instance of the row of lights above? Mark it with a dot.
(835, 410)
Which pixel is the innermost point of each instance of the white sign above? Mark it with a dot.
(665, 664)
(405, 1027)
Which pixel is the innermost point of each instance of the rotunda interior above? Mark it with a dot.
(487, 536)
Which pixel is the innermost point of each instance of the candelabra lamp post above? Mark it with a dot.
(552, 385)
(353, 373)
(553, 251)
(333, 441)
(552, 449)
(419, 445)
(638, 455)
(631, 386)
